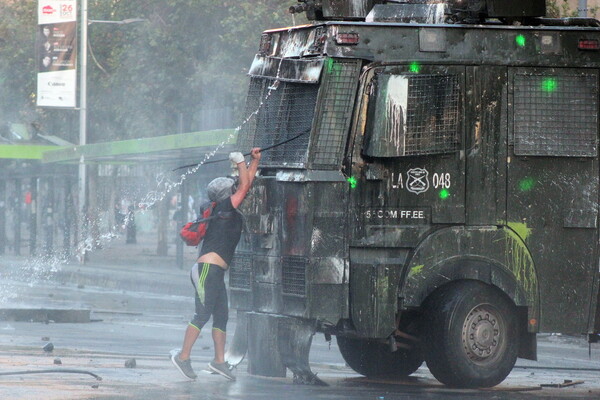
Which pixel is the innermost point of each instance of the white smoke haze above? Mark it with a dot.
(39, 268)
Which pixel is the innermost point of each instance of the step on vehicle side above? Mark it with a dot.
(436, 197)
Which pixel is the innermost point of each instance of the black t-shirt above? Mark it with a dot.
(223, 233)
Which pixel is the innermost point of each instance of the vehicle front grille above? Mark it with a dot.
(294, 276)
(240, 272)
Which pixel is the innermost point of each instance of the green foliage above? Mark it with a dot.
(188, 55)
(552, 9)
(16, 85)
(559, 9)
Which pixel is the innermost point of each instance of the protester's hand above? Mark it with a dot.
(255, 153)
(236, 157)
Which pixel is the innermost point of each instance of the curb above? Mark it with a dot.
(45, 315)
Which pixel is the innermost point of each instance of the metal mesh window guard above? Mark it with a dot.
(413, 115)
(339, 89)
(286, 112)
(294, 276)
(555, 115)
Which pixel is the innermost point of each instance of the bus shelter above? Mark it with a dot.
(40, 191)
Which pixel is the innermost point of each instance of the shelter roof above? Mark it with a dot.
(175, 149)
(24, 151)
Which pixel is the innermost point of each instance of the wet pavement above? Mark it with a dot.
(139, 305)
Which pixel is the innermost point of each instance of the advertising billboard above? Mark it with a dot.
(57, 53)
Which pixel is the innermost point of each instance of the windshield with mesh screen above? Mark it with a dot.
(412, 115)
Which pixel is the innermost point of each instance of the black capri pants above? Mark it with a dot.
(211, 296)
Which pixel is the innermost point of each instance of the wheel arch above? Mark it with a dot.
(494, 255)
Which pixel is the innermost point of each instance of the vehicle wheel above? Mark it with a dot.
(472, 335)
(373, 358)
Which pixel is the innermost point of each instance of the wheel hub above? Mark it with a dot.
(482, 334)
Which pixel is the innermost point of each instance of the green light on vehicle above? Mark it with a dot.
(329, 64)
(549, 85)
(333, 67)
(444, 194)
(414, 67)
(520, 40)
(526, 184)
(352, 181)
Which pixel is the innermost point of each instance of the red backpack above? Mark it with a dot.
(193, 232)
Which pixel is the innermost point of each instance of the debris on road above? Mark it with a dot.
(566, 383)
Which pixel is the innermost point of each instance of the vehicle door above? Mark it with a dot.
(408, 174)
(408, 157)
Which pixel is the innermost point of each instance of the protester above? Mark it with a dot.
(207, 274)
(130, 226)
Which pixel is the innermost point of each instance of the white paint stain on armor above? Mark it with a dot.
(357, 8)
(396, 106)
(316, 237)
(436, 14)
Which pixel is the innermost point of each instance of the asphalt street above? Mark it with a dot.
(139, 305)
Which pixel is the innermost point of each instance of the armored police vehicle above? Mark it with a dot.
(432, 190)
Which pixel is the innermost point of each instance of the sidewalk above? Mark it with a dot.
(136, 266)
(115, 266)
(118, 278)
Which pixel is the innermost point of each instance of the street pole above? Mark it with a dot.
(582, 8)
(82, 123)
(182, 206)
(82, 173)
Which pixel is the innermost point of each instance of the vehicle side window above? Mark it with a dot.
(412, 115)
(555, 114)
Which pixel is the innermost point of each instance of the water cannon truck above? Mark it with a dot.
(433, 191)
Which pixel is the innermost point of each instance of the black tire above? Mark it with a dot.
(472, 338)
(373, 358)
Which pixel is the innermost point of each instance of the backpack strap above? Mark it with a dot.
(220, 214)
